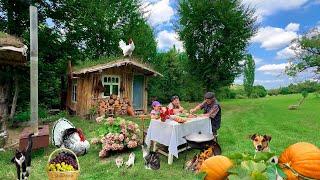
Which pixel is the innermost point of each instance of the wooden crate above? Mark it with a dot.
(39, 141)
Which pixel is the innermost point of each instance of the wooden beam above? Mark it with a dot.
(34, 68)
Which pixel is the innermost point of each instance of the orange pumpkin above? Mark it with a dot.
(216, 167)
(302, 157)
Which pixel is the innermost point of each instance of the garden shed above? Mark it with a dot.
(114, 85)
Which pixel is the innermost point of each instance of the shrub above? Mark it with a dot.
(25, 115)
(259, 91)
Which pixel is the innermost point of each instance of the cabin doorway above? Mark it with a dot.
(138, 88)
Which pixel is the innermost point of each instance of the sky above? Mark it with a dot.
(281, 21)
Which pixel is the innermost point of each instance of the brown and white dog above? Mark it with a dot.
(261, 142)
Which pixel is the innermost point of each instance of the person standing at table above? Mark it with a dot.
(211, 109)
(175, 105)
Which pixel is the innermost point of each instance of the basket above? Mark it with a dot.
(63, 175)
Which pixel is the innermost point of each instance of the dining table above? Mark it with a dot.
(171, 133)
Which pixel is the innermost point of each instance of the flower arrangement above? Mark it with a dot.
(118, 134)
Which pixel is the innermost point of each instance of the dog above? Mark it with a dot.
(261, 142)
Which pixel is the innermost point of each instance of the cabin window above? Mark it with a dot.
(111, 85)
(74, 91)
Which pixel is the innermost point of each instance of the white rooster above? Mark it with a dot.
(127, 49)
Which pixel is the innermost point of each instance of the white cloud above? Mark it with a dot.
(268, 7)
(168, 39)
(273, 69)
(272, 38)
(257, 60)
(267, 81)
(285, 53)
(292, 27)
(158, 12)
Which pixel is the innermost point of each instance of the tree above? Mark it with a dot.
(96, 27)
(215, 36)
(248, 74)
(259, 91)
(307, 53)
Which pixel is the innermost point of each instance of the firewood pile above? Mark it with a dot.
(113, 105)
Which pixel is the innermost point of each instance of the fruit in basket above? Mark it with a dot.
(64, 161)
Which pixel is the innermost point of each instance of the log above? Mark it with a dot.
(15, 97)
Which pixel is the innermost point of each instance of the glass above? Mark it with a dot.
(107, 90)
(115, 89)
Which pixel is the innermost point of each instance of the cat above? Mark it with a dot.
(151, 159)
(22, 160)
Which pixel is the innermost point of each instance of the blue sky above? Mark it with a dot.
(280, 21)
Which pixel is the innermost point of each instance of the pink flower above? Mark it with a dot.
(110, 120)
(127, 140)
(134, 137)
(121, 137)
(102, 153)
(132, 144)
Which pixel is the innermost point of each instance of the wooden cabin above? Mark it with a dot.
(126, 79)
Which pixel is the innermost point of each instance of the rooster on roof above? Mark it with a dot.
(127, 49)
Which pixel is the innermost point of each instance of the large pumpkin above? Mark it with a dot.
(302, 157)
(216, 167)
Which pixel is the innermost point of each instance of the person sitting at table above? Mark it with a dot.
(175, 105)
(211, 109)
(156, 108)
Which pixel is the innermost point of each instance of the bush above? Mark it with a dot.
(273, 92)
(25, 115)
(226, 93)
(259, 91)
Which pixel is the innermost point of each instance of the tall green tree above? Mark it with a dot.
(176, 79)
(307, 53)
(248, 74)
(96, 27)
(215, 35)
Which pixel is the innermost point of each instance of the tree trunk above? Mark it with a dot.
(15, 97)
(4, 93)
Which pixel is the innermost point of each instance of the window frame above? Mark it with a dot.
(111, 84)
(74, 89)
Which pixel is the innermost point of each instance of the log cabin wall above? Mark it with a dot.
(86, 88)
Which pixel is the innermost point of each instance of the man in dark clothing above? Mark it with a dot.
(211, 109)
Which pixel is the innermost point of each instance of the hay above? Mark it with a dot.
(9, 40)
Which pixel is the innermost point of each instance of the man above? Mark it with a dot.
(211, 109)
(175, 105)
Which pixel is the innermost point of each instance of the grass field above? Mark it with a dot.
(240, 118)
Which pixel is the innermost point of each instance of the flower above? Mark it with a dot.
(132, 144)
(134, 137)
(102, 153)
(110, 120)
(121, 137)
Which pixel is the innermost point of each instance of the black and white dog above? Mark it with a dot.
(151, 159)
(22, 160)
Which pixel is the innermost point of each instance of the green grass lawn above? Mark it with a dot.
(240, 118)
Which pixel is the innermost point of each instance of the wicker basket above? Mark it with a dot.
(66, 175)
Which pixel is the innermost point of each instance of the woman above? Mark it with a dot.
(175, 105)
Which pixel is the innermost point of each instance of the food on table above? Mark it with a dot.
(179, 119)
(165, 113)
(64, 161)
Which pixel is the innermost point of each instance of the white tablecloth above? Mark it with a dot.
(171, 133)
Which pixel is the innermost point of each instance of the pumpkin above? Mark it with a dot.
(302, 157)
(216, 167)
